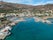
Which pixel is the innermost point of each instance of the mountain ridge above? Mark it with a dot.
(14, 6)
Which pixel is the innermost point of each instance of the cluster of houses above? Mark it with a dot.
(45, 13)
(16, 14)
(28, 14)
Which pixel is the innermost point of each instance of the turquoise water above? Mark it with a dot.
(31, 30)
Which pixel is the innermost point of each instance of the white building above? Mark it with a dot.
(2, 15)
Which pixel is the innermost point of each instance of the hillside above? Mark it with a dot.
(5, 6)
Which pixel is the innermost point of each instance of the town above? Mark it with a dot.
(8, 18)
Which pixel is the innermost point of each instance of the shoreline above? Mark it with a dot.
(44, 20)
(15, 20)
(4, 31)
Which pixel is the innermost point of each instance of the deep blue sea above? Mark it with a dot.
(31, 30)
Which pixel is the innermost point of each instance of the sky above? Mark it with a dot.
(31, 2)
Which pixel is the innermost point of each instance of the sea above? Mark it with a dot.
(31, 30)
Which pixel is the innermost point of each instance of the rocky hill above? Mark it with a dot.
(5, 6)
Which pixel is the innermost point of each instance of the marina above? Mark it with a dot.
(5, 31)
(14, 20)
(26, 20)
(31, 30)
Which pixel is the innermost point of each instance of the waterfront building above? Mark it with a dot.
(2, 15)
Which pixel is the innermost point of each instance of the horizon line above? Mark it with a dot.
(27, 4)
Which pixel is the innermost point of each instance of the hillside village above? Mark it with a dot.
(27, 13)
(7, 9)
(21, 10)
(11, 12)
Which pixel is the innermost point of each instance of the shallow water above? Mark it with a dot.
(31, 30)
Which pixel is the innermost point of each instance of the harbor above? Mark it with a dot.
(9, 21)
(26, 19)
(4, 31)
(31, 30)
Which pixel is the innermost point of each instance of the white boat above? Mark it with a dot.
(36, 19)
(47, 21)
(42, 20)
(4, 32)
